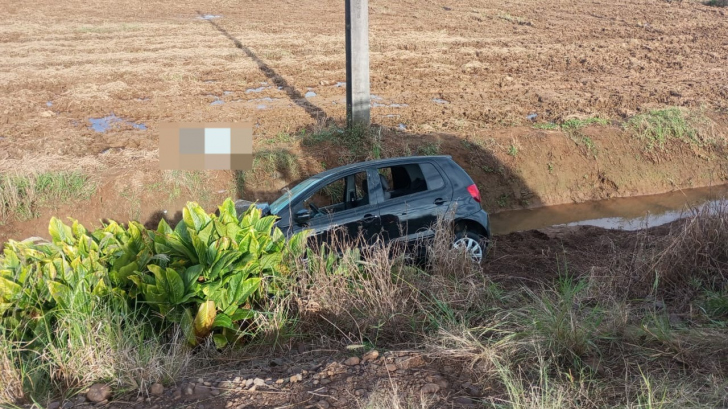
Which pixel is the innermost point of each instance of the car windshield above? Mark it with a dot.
(282, 201)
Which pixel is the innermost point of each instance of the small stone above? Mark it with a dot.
(430, 388)
(371, 355)
(102, 403)
(411, 362)
(148, 400)
(354, 360)
(201, 390)
(360, 392)
(325, 381)
(201, 406)
(80, 399)
(47, 114)
(258, 382)
(237, 379)
(54, 405)
(200, 380)
(156, 389)
(226, 385)
(296, 378)
(391, 367)
(253, 388)
(207, 383)
(140, 399)
(214, 391)
(315, 382)
(177, 394)
(98, 392)
(249, 382)
(188, 390)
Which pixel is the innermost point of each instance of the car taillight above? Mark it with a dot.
(474, 192)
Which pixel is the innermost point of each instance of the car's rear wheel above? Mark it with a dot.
(472, 243)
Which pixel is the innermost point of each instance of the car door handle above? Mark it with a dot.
(368, 218)
(440, 201)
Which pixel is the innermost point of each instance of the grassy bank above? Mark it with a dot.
(647, 330)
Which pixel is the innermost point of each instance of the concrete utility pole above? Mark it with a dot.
(357, 62)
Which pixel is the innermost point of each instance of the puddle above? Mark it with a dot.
(440, 101)
(631, 213)
(218, 101)
(227, 92)
(267, 99)
(103, 124)
(208, 17)
(256, 90)
(391, 116)
(375, 97)
(49, 103)
(340, 84)
(531, 117)
(401, 127)
(261, 106)
(209, 81)
(142, 99)
(310, 94)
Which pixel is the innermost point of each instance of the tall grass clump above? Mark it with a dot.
(657, 127)
(23, 196)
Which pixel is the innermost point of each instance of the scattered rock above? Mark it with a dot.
(214, 391)
(391, 367)
(54, 405)
(98, 392)
(430, 388)
(47, 114)
(258, 382)
(177, 394)
(80, 399)
(360, 392)
(207, 383)
(354, 360)
(227, 384)
(371, 355)
(188, 390)
(201, 390)
(156, 389)
(200, 380)
(411, 362)
(249, 382)
(296, 378)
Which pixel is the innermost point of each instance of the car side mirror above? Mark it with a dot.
(302, 216)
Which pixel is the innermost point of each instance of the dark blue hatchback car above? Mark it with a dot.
(392, 199)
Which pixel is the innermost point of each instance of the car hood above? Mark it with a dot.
(242, 205)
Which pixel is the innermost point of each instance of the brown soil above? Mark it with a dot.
(494, 64)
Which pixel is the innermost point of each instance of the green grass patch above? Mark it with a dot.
(576, 124)
(22, 196)
(657, 127)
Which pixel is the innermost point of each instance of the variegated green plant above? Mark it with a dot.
(208, 273)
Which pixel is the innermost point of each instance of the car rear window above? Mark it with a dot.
(404, 180)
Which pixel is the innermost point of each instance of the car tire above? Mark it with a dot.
(475, 244)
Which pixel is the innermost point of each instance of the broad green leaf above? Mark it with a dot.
(220, 341)
(163, 228)
(206, 233)
(9, 290)
(60, 233)
(222, 321)
(245, 290)
(242, 314)
(204, 319)
(188, 327)
(176, 286)
(191, 275)
(61, 293)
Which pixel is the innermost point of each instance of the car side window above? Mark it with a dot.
(432, 176)
(404, 180)
(342, 194)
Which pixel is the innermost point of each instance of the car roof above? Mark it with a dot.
(380, 163)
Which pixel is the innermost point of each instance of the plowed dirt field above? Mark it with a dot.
(455, 77)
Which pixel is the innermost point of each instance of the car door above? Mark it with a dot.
(421, 194)
(342, 209)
